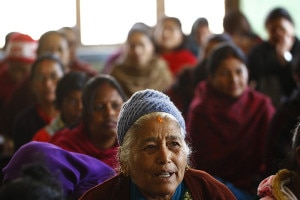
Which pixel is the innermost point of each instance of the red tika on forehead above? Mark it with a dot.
(159, 119)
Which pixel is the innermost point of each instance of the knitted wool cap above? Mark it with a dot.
(144, 102)
(22, 48)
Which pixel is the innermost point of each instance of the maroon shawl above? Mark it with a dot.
(228, 135)
(77, 140)
(200, 185)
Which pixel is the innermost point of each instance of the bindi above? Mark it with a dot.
(159, 119)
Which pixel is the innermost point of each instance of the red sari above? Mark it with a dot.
(177, 60)
(77, 140)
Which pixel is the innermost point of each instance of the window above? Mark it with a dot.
(102, 22)
(257, 14)
(189, 11)
(34, 17)
(107, 22)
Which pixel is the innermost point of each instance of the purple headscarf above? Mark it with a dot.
(76, 172)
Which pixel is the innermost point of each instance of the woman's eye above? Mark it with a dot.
(174, 145)
(99, 107)
(150, 147)
(116, 105)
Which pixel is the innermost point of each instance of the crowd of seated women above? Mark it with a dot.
(159, 121)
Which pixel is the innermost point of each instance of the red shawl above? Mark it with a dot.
(228, 135)
(177, 60)
(76, 140)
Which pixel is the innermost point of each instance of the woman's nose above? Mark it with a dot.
(164, 155)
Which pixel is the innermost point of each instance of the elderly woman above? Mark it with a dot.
(96, 135)
(154, 156)
(285, 184)
(227, 121)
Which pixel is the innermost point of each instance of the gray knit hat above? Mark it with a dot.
(144, 102)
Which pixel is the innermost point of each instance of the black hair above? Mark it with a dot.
(140, 27)
(35, 183)
(45, 36)
(41, 58)
(278, 12)
(235, 22)
(201, 21)
(200, 71)
(222, 52)
(184, 43)
(222, 37)
(90, 89)
(72, 81)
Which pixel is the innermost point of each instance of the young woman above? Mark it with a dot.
(46, 71)
(227, 121)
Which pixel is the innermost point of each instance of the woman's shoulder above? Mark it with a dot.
(117, 187)
(203, 186)
(258, 96)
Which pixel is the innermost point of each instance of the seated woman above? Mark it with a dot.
(46, 71)
(154, 156)
(227, 121)
(51, 42)
(96, 136)
(68, 102)
(285, 184)
(75, 173)
(181, 91)
(139, 67)
(171, 44)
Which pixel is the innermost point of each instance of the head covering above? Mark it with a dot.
(142, 103)
(21, 47)
(278, 13)
(76, 172)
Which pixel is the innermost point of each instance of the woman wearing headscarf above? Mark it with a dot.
(227, 122)
(75, 173)
(139, 67)
(154, 156)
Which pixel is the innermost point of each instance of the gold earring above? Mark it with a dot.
(187, 167)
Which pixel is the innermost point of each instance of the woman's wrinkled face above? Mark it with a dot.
(280, 29)
(230, 78)
(106, 106)
(158, 161)
(140, 49)
(46, 76)
(168, 35)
